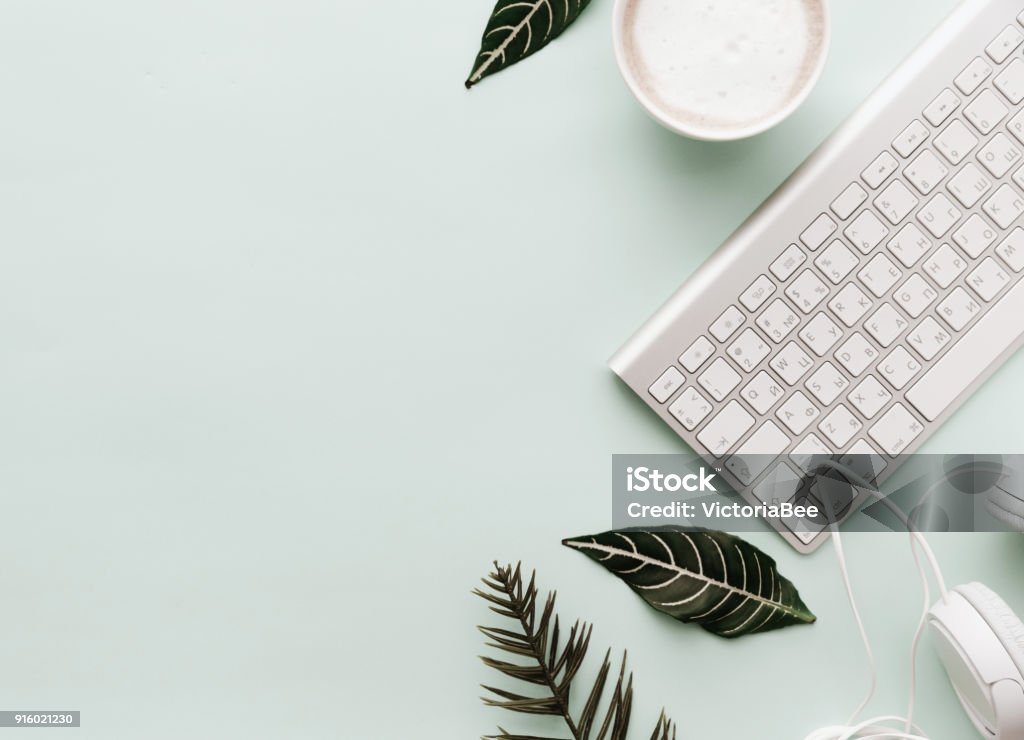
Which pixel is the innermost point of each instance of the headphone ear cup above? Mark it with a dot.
(1006, 507)
(1006, 625)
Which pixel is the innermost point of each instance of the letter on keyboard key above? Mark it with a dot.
(1011, 250)
(928, 339)
(988, 279)
(896, 430)
(982, 345)
(938, 215)
(909, 245)
(899, 368)
(820, 230)
(974, 237)
(1000, 155)
(726, 429)
(969, 184)
(797, 412)
(1005, 206)
(827, 383)
(762, 392)
(945, 266)
(856, 354)
(840, 426)
(959, 309)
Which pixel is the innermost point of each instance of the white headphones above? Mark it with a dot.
(979, 639)
(981, 643)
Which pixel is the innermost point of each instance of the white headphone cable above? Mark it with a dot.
(876, 728)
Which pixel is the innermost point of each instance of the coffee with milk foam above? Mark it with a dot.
(723, 64)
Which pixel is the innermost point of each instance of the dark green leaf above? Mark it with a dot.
(724, 584)
(518, 28)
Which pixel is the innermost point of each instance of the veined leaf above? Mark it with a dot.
(723, 583)
(517, 29)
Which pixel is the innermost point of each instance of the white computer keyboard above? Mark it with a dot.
(873, 291)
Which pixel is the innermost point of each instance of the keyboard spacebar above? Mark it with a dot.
(982, 345)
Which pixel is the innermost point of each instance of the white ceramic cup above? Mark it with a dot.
(709, 132)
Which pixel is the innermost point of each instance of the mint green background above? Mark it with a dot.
(298, 335)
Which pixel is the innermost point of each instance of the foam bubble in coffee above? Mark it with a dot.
(722, 63)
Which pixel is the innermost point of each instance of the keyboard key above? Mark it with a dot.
(1000, 154)
(820, 334)
(690, 409)
(988, 279)
(975, 236)
(1011, 250)
(879, 275)
(827, 383)
(910, 138)
(836, 261)
(909, 245)
(978, 348)
(870, 397)
(762, 392)
(748, 350)
(866, 231)
(848, 201)
(899, 368)
(856, 353)
(820, 229)
(972, 76)
(969, 184)
(862, 459)
(959, 309)
(807, 291)
(788, 262)
(915, 295)
(944, 266)
(727, 324)
(896, 430)
(755, 296)
(985, 111)
(1016, 126)
(697, 354)
(810, 454)
(938, 215)
(791, 363)
(895, 202)
(926, 171)
(669, 382)
(850, 304)
(778, 320)
(757, 453)
(940, 109)
(928, 339)
(1010, 82)
(719, 379)
(1002, 46)
(840, 426)
(955, 142)
(886, 324)
(1005, 206)
(879, 170)
(797, 412)
(726, 429)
